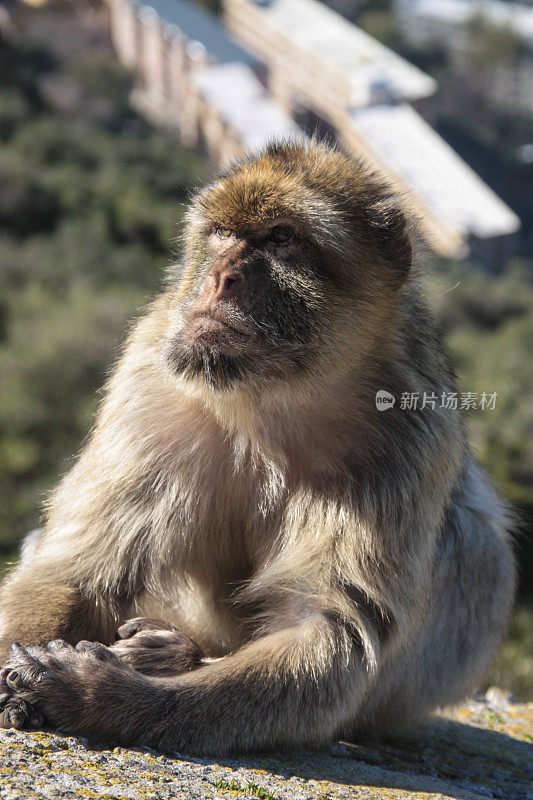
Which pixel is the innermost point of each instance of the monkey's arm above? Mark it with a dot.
(72, 583)
(35, 608)
(292, 687)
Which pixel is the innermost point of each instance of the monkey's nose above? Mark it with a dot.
(224, 284)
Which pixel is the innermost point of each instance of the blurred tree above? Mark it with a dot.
(27, 204)
(490, 43)
(211, 5)
(100, 74)
(90, 203)
(488, 324)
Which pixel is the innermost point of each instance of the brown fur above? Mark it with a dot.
(348, 569)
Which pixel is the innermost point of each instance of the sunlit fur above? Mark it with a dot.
(351, 565)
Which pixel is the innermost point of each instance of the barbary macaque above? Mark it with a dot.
(300, 564)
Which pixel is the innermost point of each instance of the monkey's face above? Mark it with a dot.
(268, 264)
(251, 302)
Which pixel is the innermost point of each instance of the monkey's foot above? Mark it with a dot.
(156, 648)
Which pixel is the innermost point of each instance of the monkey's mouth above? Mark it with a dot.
(214, 348)
(226, 352)
(217, 329)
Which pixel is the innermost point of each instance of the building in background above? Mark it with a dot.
(328, 73)
(284, 68)
(506, 70)
(194, 78)
(235, 113)
(460, 215)
(315, 55)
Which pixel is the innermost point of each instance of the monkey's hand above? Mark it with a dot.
(156, 648)
(57, 685)
(14, 711)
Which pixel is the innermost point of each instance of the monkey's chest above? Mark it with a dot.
(200, 595)
(215, 539)
(199, 587)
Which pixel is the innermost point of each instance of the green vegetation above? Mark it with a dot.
(250, 788)
(90, 203)
(487, 38)
(513, 667)
(488, 324)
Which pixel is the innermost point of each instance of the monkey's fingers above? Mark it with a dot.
(4, 672)
(59, 646)
(159, 653)
(138, 624)
(14, 712)
(149, 639)
(25, 669)
(98, 651)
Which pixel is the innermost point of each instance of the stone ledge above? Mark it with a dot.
(482, 750)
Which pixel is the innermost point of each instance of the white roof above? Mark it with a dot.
(367, 64)
(410, 149)
(240, 100)
(516, 15)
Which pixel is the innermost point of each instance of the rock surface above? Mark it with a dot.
(480, 751)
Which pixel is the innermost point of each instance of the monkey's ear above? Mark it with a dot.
(395, 242)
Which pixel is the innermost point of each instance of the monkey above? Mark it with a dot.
(301, 564)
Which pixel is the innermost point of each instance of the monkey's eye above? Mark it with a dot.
(223, 233)
(280, 234)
